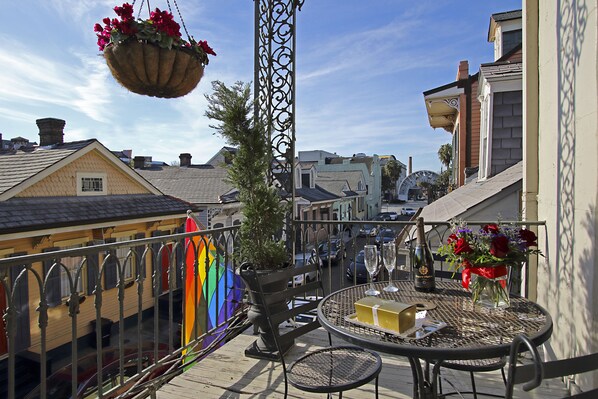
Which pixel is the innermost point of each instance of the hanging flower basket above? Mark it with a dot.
(145, 68)
(149, 57)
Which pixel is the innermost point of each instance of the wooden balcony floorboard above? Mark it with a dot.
(228, 374)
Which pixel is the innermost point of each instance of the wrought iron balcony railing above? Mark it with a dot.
(152, 306)
(147, 305)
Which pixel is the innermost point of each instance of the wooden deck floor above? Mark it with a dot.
(228, 374)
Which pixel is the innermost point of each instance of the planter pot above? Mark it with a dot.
(265, 346)
(147, 69)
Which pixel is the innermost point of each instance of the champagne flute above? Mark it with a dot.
(371, 264)
(389, 256)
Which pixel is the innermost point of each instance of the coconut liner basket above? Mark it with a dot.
(145, 68)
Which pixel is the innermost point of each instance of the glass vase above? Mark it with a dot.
(490, 292)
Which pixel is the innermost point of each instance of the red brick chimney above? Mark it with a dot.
(185, 159)
(463, 72)
(138, 162)
(51, 131)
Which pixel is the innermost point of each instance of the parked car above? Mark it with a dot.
(384, 235)
(367, 230)
(387, 216)
(357, 267)
(332, 251)
(407, 211)
(302, 259)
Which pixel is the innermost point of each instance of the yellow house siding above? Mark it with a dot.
(59, 328)
(63, 182)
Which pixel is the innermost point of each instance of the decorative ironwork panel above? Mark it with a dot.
(275, 84)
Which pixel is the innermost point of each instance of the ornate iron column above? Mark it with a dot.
(274, 89)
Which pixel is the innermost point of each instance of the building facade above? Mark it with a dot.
(62, 195)
(561, 169)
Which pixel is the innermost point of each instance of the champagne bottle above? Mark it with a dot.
(423, 262)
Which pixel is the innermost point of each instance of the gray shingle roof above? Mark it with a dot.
(201, 184)
(34, 213)
(466, 197)
(332, 186)
(20, 165)
(352, 177)
(501, 69)
(315, 194)
(507, 15)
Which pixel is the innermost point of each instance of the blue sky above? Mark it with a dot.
(361, 69)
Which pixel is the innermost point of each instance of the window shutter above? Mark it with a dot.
(21, 295)
(139, 267)
(110, 269)
(93, 264)
(53, 295)
(157, 263)
(180, 259)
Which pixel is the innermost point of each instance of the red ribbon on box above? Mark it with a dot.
(484, 271)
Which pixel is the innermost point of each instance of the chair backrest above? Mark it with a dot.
(531, 375)
(302, 302)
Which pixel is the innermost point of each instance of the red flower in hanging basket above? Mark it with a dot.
(149, 56)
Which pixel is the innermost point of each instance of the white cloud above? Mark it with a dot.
(72, 82)
(75, 10)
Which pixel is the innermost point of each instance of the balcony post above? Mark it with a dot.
(274, 91)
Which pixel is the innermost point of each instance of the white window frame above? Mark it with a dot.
(86, 175)
(121, 254)
(71, 263)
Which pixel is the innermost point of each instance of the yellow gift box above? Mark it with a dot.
(387, 314)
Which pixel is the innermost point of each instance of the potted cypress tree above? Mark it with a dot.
(260, 250)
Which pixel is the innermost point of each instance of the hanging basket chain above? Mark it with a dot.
(180, 16)
(169, 9)
(141, 8)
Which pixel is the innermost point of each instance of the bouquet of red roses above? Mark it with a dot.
(487, 252)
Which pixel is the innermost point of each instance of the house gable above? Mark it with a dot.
(66, 180)
(45, 162)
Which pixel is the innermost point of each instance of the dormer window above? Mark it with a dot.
(298, 177)
(510, 40)
(91, 184)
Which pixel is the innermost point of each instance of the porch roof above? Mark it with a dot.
(317, 194)
(39, 213)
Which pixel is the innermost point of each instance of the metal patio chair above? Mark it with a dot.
(532, 375)
(334, 369)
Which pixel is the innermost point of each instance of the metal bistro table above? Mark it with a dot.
(472, 332)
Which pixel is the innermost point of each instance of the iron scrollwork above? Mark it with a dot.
(274, 91)
(275, 84)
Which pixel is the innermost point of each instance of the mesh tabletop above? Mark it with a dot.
(472, 332)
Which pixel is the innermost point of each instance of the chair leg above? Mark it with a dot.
(473, 388)
(376, 387)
